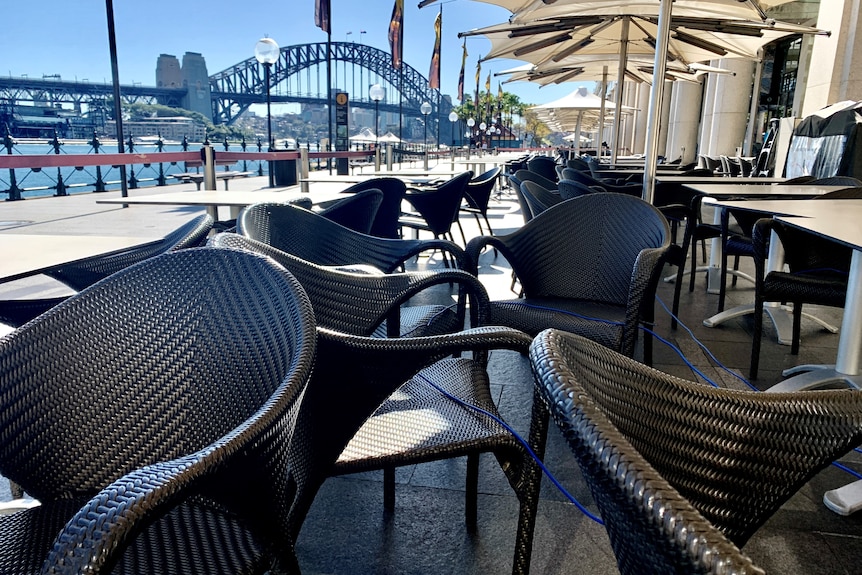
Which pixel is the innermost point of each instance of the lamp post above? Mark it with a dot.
(482, 127)
(453, 117)
(470, 123)
(376, 93)
(425, 108)
(266, 52)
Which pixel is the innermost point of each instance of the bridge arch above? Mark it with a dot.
(238, 87)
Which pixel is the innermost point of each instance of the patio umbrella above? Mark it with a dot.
(604, 27)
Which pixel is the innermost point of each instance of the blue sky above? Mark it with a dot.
(72, 37)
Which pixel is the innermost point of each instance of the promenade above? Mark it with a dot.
(347, 530)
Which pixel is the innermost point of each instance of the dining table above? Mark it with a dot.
(31, 254)
(235, 200)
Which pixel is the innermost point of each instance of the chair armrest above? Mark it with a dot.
(645, 278)
(475, 247)
(96, 537)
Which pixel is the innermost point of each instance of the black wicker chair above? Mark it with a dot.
(148, 414)
(316, 239)
(544, 166)
(669, 461)
(386, 221)
(530, 176)
(818, 274)
(437, 209)
(355, 212)
(587, 265)
(538, 198)
(374, 304)
(571, 189)
(87, 272)
(478, 195)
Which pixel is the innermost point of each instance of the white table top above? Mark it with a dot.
(671, 178)
(840, 221)
(223, 198)
(31, 254)
(819, 208)
(755, 190)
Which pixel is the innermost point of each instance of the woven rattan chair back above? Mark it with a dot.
(543, 166)
(314, 238)
(530, 176)
(361, 303)
(189, 362)
(355, 212)
(652, 528)
(437, 208)
(736, 456)
(584, 256)
(386, 221)
(571, 189)
(538, 198)
(85, 273)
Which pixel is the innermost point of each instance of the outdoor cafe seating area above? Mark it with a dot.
(517, 365)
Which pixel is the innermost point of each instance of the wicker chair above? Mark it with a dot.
(543, 166)
(587, 265)
(356, 212)
(538, 198)
(818, 272)
(316, 239)
(87, 272)
(386, 221)
(670, 461)
(572, 189)
(437, 209)
(478, 195)
(419, 424)
(530, 176)
(374, 304)
(134, 403)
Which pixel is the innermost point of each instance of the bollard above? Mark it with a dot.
(303, 170)
(209, 167)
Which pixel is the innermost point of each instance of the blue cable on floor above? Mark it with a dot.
(523, 443)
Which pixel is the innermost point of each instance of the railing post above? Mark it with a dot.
(377, 158)
(389, 153)
(14, 191)
(209, 167)
(133, 181)
(303, 170)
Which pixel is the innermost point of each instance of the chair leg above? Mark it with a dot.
(756, 337)
(389, 489)
(722, 290)
(471, 495)
(693, 265)
(736, 269)
(797, 328)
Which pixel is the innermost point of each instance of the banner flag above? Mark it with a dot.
(461, 75)
(434, 73)
(322, 11)
(396, 33)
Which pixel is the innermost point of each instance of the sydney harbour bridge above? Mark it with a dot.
(299, 76)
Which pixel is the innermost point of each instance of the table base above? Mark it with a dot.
(807, 377)
(781, 317)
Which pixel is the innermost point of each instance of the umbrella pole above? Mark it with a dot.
(656, 95)
(621, 76)
(601, 137)
(578, 134)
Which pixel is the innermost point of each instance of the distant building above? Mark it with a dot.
(170, 128)
(192, 76)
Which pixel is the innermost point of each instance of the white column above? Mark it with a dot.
(835, 74)
(640, 118)
(663, 123)
(731, 106)
(684, 120)
(705, 144)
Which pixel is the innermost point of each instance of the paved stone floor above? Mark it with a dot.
(347, 530)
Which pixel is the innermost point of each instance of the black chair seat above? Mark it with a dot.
(601, 322)
(824, 288)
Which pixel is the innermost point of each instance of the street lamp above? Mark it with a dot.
(425, 108)
(482, 128)
(266, 52)
(376, 93)
(470, 123)
(453, 117)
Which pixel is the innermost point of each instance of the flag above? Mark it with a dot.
(488, 83)
(499, 92)
(434, 73)
(478, 75)
(396, 33)
(461, 75)
(321, 15)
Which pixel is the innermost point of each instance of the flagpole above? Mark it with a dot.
(329, 90)
(439, 77)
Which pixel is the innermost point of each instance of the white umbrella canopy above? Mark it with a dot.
(389, 137)
(533, 9)
(364, 135)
